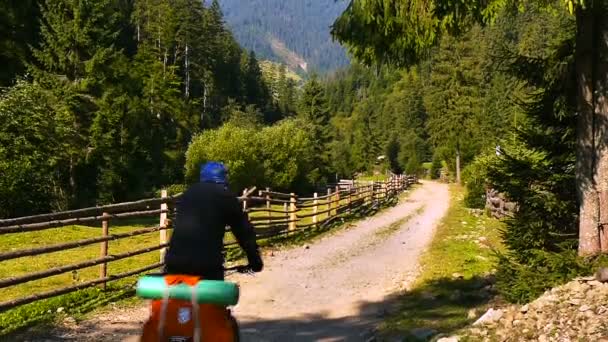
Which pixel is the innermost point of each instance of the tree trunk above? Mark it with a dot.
(592, 133)
(458, 164)
(600, 107)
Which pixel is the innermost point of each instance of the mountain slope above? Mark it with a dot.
(295, 32)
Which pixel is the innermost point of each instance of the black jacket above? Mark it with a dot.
(196, 245)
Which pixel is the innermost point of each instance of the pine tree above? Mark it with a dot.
(76, 54)
(313, 107)
(452, 98)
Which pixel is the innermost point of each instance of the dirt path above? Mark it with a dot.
(337, 289)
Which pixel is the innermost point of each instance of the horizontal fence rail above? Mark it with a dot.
(272, 214)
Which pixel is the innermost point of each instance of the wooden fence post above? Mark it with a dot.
(268, 204)
(349, 199)
(105, 231)
(245, 202)
(328, 203)
(163, 225)
(373, 196)
(286, 210)
(315, 209)
(292, 214)
(337, 200)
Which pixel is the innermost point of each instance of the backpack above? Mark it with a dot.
(173, 320)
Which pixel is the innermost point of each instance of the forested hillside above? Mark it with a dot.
(102, 98)
(295, 32)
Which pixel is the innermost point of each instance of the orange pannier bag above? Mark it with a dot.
(173, 320)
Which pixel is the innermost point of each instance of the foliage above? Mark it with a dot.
(32, 151)
(402, 32)
(281, 156)
(128, 85)
(523, 282)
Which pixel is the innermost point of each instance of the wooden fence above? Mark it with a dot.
(272, 214)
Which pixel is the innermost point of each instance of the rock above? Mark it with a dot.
(457, 276)
(490, 316)
(59, 310)
(602, 275)
(69, 320)
(595, 283)
(584, 308)
(449, 339)
(574, 301)
(472, 314)
(423, 333)
(306, 247)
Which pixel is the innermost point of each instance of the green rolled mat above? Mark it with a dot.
(207, 291)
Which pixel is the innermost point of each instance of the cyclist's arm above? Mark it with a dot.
(244, 233)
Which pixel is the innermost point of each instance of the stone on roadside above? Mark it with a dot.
(602, 275)
(449, 339)
(457, 275)
(490, 316)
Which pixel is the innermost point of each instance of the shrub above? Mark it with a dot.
(475, 178)
(542, 270)
(235, 146)
(280, 156)
(436, 167)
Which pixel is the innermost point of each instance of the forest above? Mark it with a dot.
(100, 99)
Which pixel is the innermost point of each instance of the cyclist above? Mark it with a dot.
(203, 212)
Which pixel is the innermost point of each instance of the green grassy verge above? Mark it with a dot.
(455, 275)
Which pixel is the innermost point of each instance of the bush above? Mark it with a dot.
(33, 156)
(475, 178)
(524, 282)
(288, 155)
(281, 156)
(436, 166)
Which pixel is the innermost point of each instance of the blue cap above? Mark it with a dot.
(213, 172)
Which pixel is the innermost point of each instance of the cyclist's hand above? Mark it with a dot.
(255, 262)
(245, 269)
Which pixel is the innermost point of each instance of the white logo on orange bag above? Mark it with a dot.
(183, 315)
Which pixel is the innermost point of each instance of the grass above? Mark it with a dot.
(395, 226)
(369, 178)
(80, 301)
(455, 277)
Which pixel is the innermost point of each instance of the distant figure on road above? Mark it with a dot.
(203, 212)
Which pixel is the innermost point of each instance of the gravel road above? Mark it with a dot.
(336, 289)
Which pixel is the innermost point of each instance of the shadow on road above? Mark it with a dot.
(439, 307)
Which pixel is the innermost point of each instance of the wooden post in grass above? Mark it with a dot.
(328, 203)
(105, 231)
(163, 225)
(292, 214)
(315, 209)
(337, 205)
(268, 203)
(348, 199)
(373, 195)
(245, 202)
